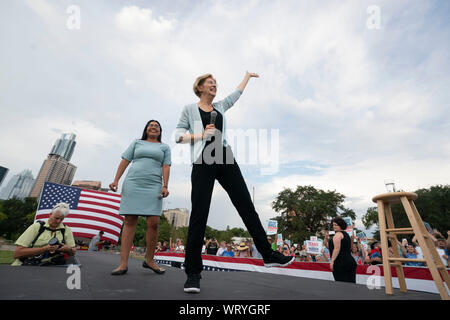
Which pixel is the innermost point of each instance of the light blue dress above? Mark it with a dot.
(143, 182)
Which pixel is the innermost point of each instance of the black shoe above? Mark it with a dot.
(158, 271)
(276, 259)
(192, 284)
(119, 272)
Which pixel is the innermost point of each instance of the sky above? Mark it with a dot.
(350, 93)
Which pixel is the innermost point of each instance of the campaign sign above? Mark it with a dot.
(313, 247)
(272, 227)
(279, 239)
(349, 222)
(362, 236)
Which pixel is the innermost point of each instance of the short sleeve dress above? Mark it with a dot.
(143, 182)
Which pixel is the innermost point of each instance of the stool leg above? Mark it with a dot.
(394, 240)
(433, 251)
(418, 228)
(384, 248)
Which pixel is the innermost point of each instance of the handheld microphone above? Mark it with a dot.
(213, 117)
(160, 196)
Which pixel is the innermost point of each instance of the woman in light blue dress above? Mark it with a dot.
(144, 187)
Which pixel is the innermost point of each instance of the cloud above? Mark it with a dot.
(353, 106)
(33, 138)
(133, 20)
(359, 182)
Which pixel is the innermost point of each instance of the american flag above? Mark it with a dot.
(90, 211)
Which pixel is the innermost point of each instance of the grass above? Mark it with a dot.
(6, 257)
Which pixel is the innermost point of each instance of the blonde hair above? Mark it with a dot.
(61, 207)
(199, 81)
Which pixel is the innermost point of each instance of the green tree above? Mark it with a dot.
(139, 235)
(165, 229)
(306, 211)
(17, 215)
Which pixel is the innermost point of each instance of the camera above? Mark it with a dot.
(55, 242)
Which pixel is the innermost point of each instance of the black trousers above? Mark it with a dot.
(344, 273)
(230, 178)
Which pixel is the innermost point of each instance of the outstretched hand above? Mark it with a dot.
(247, 77)
(251, 75)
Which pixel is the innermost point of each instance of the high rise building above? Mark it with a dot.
(19, 186)
(178, 217)
(3, 173)
(57, 168)
(64, 146)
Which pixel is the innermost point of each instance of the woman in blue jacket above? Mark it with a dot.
(213, 159)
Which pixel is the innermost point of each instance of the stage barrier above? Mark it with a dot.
(417, 278)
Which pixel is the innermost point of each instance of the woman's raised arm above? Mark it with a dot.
(247, 77)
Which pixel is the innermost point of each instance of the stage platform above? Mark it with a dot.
(48, 283)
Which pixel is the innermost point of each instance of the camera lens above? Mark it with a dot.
(53, 241)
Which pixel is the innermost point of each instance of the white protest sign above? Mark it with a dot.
(313, 247)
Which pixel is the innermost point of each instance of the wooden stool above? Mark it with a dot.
(429, 251)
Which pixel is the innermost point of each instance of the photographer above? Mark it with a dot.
(46, 243)
(212, 246)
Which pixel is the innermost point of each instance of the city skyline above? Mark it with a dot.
(19, 186)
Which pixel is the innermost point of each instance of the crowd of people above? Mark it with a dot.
(362, 253)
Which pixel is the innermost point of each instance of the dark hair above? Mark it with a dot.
(340, 222)
(144, 134)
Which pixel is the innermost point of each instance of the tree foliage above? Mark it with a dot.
(16, 216)
(306, 211)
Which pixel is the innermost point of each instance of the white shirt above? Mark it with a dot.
(441, 252)
(220, 251)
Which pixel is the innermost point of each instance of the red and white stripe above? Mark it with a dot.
(417, 278)
(96, 211)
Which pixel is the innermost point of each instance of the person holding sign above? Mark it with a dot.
(342, 263)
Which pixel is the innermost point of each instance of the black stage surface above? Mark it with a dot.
(48, 283)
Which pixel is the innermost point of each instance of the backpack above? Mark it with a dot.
(42, 228)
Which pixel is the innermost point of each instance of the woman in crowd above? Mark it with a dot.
(144, 187)
(33, 247)
(357, 254)
(342, 263)
(243, 251)
(213, 159)
(411, 253)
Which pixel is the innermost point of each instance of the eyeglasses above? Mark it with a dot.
(153, 126)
